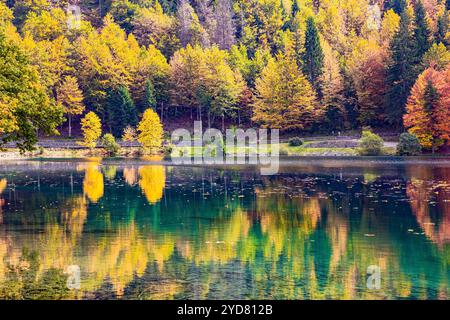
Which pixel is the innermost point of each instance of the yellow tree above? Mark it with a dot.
(71, 98)
(285, 99)
(150, 131)
(91, 127)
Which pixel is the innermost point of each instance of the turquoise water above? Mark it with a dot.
(138, 230)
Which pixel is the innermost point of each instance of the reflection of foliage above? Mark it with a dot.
(93, 183)
(130, 175)
(296, 229)
(74, 215)
(22, 281)
(110, 172)
(152, 182)
(3, 184)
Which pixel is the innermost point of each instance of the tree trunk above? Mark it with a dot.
(223, 122)
(209, 120)
(70, 126)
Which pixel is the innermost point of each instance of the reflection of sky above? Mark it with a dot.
(180, 232)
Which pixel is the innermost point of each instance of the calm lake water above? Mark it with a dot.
(154, 231)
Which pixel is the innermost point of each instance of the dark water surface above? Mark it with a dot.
(144, 231)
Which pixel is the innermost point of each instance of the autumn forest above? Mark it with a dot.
(302, 66)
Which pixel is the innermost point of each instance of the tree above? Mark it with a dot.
(71, 98)
(332, 89)
(109, 59)
(428, 113)
(152, 26)
(408, 145)
(422, 32)
(150, 131)
(437, 57)
(401, 72)
(121, 110)
(91, 127)
(442, 31)
(110, 145)
(224, 27)
(190, 29)
(202, 79)
(368, 68)
(370, 144)
(313, 56)
(397, 5)
(389, 26)
(150, 96)
(285, 100)
(25, 105)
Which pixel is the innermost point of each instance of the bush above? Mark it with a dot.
(370, 144)
(110, 145)
(295, 142)
(168, 149)
(129, 134)
(283, 151)
(408, 145)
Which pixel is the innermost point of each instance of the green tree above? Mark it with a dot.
(422, 32)
(408, 145)
(25, 106)
(370, 144)
(401, 73)
(110, 145)
(150, 96)
(397, 5)
(442, 28)
(120, 110)
(313, 55)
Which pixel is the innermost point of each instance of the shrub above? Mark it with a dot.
(168, 149)
(283, 151)
(408, 145)
(370, 144)
(295, 142)
(110, 144)
(129, 134)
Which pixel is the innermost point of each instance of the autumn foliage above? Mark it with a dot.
(428, 109)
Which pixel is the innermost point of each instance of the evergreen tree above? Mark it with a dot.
(150, 97)
(401, 73)
(442, 28)
(422, 32)
(295, 8)
(313, 56)
(120, 111)
(397, 5)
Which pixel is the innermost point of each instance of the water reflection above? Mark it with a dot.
(156, 232)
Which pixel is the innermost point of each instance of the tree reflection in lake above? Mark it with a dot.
(156, 232)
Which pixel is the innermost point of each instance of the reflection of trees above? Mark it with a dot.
(3, 183)
(295, 238)
(24, 282)
(429, 193)
(152, 182)
(130, 175)
(93, 185)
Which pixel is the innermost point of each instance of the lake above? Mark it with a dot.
(130, 229)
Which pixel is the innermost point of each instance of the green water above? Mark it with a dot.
(143, 231)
